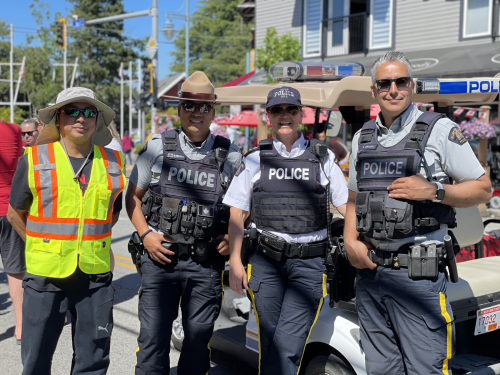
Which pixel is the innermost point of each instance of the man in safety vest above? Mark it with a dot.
(65, 214)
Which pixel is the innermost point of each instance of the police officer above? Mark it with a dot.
(67, 197)
(402, 205)
(180, 179)
(286, 185)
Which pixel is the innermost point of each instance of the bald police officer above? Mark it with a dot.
(181, 178)
(286, 184)
(402, 204)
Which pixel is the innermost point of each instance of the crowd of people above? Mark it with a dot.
(192, 195)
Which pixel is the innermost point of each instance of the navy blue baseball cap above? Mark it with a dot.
(283, 95)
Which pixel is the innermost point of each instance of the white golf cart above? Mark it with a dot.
(333, 347)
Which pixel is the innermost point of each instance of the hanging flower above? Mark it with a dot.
(477, 129)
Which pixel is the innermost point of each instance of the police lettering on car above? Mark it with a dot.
(175, 202)
(286, 185)
(401, 200)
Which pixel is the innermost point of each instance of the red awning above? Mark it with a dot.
(237, 81)
(245, 118)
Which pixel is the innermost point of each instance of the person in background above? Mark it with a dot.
(30, 131)
(11, 244)
(127, 145)
(334, 145)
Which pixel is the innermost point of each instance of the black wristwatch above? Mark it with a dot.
(439, 192)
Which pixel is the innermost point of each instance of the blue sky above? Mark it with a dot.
(18, 13)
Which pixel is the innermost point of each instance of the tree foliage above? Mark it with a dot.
(276, 49)
(218, 42)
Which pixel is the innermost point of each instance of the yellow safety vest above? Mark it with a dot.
(64, 227)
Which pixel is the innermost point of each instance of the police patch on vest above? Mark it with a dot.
(368, 147)
(196, 178)
(144, 148)
(383, 168)
(289, 173)
(267, 153)
(456, 136)
(241, 168)
(175, 156)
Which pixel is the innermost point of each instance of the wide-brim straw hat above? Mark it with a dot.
(196, 88)
(102, 135)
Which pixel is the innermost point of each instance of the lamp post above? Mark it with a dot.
(169, 31)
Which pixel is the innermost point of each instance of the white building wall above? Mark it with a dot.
(285, 15)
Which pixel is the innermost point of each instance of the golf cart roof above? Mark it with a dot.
(355, 91)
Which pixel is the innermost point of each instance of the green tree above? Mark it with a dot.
(276, 49)
(218, 42)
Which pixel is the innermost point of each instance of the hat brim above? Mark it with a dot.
(102, 135)
(191, 100)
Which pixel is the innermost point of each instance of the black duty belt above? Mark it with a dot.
(180, 249)
(276, 248)
(394, 259)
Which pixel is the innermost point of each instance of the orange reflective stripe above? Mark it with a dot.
(53, 176)
(52, 236)
(104, 156)
(54, 220)
(88, 237)
(34, 155)
(118, 159)
(96, 221)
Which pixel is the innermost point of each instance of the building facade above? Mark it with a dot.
(440, 37)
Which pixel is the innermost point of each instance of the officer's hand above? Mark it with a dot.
(415, 188)
(358, 257)
(153, 244)
(223, 247)
(237, 276)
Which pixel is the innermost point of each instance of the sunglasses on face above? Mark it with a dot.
(191, 107)
(28, 133)
(402, 83)
(75, 112)
(291, 109)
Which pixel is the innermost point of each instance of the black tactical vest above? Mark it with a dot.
(377, 215)
(288, 197)
(186, 204)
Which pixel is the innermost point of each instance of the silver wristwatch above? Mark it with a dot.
(439, 192)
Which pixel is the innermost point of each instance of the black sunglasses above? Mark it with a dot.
(75, 112)
(191, 107)
(291, 109)
(402, 83)
(28, 133)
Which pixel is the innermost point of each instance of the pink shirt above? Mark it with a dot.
(10, 151)
(126, 143)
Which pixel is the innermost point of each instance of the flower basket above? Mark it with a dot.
(477, 129)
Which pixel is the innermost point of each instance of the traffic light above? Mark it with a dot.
(61, 33)
(147, 75)
(252, 42)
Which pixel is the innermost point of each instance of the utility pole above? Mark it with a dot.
(154, 59)
(65, 54)
(11, 73)
(130, 102)
(186, 67)
(139, 90)
(121, 100)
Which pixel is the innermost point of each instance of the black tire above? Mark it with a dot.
(328, 363)
(177, 332)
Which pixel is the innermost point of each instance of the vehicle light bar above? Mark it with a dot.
(314, 71)
(457, 86)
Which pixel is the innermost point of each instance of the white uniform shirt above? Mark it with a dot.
(444, 153)
(239, 194)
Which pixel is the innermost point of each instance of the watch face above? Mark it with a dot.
(440, 194)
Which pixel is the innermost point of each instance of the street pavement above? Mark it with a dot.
(126, 324)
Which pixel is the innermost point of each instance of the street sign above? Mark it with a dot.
(78, 24)
(152, 47)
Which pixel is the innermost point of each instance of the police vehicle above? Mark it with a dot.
(333, 347)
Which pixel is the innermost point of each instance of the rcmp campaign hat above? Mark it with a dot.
(196, 88)
(102, 135)
(283, 95)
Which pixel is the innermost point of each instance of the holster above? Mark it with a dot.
(340, 274)
(136, 250)
(146, 204)
(249, 245)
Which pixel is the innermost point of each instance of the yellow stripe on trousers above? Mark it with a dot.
(315, 319)
(249, 275)
(449, 329)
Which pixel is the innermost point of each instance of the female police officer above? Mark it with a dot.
(285, 182)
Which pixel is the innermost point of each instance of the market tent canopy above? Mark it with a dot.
(245, 118)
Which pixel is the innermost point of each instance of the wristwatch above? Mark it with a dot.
(439, 192)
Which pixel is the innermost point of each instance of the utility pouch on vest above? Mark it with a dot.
(188, 215)
(272, 246)
(204, 221)
(170, 217)
(222, 213)
(201, 251)
(146, 204)
(423, 262)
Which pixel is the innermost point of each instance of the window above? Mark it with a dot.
(313, 11)
(477, 17)
(381, 23)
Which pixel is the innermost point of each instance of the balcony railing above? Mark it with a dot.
(344, 35)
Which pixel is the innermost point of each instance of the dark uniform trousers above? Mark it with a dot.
(91, 325)
(198, 287)
(406, 325)
(287, 297)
